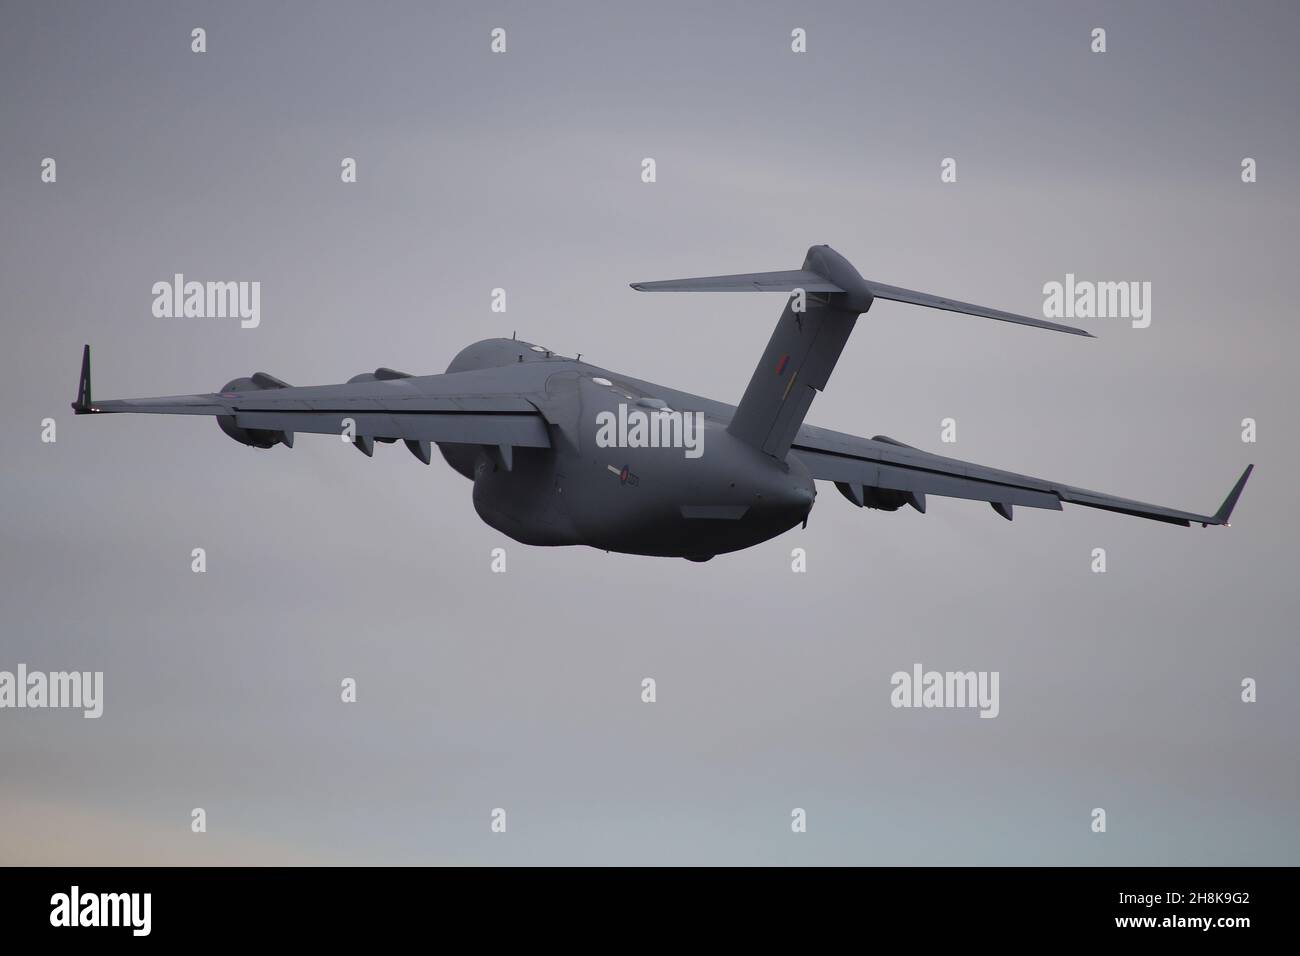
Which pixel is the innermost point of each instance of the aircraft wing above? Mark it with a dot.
(864, 468)
(461, 407)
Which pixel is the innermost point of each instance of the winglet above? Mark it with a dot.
(1225, 510)
(82, 405)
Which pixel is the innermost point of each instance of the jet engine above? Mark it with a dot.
(254, 437)
(385, 375)
(882, 499)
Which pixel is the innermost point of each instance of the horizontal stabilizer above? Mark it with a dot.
(787, 281)
(894, 294)
(864, 290)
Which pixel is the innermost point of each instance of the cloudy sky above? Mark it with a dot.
(522, 690)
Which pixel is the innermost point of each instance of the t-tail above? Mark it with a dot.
(828, 296)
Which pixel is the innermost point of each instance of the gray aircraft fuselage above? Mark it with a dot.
(634, 500)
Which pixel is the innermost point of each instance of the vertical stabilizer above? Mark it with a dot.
(801, 354)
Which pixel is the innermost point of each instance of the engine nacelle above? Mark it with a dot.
(254, 437)
(377, 376)
(881, 499)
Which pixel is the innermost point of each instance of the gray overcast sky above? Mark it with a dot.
(522, 690)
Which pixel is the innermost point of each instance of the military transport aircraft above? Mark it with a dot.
(562, 452)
